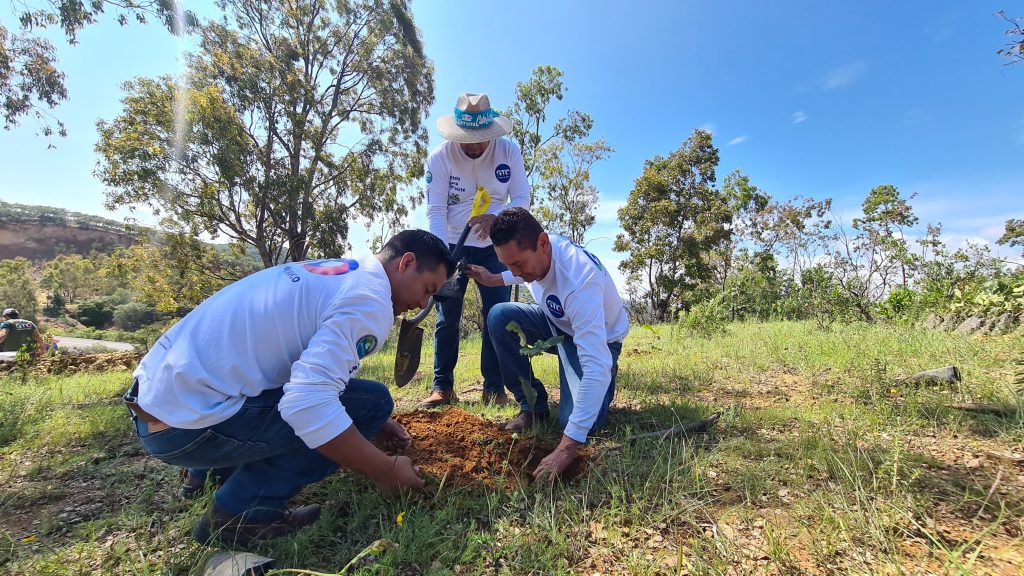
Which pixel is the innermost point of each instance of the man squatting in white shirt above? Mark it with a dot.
(578, 301)
(258, 381)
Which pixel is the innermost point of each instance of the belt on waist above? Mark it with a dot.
(131, 400)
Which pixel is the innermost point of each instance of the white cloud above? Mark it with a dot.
(737, 140)
(708, 127)
(799, 117)
(608, 211)
(844, 75)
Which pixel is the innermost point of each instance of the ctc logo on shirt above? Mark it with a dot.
(503, 173)
(555, 306)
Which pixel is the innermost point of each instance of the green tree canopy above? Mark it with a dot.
(71, 276)
(1013, 235)
(31, 81)
(876, 258)
(569, 200)
(672, 221)
(557, 157)
(173, 272)
(295, 120)
(18, 289)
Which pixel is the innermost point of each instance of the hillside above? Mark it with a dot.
(43, 232)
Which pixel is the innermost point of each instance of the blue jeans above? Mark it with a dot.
(516, 369)
(449, 315)
(273, 464)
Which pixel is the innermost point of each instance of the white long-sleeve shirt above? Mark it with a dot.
(453, 178)
(303, 325)
(580, 298)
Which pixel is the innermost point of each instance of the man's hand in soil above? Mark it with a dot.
(484, 276)
(482, 225)
(554, 464)
(391, 474)
(392, 437)
(403, 476)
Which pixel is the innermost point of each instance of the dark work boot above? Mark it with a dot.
(231, 530)
(498, 398)
(192, 485)
(438, 398)
(526, 420)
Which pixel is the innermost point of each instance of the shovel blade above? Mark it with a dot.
(407, 352)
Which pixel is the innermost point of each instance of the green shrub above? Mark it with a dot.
(96, 313)
(18, 290)
(992, 297)
(54, 305)
(705, 319)
(902, 305)
(134, 315)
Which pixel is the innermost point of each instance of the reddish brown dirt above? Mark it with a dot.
(457, 448)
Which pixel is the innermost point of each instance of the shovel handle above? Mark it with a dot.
(458, 245)
(422, 313)
(455, 256)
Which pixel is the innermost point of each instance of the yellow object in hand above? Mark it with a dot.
(481, 202)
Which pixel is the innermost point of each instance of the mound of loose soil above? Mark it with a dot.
(457, 448)
(74, 363)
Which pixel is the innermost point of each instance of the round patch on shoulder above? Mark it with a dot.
(555, 306)
(366, 345)
(334, 267)
(503, 173)
(430, 177)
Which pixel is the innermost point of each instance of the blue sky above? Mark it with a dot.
(821, 99)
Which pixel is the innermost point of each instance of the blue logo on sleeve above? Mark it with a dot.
(366, 345)
(503, 173)
(429, 177)
(591, 256)
(555, 306)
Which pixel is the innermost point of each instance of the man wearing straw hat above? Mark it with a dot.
(474, 156)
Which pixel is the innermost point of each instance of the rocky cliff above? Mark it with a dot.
(41, 232)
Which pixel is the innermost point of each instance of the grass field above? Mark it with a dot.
(822, 463)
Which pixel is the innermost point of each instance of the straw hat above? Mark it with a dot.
(473, 121)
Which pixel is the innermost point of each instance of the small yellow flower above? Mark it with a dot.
(400, 518)
(893, 391)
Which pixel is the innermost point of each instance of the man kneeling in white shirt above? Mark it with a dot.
(257, 380)
(579, 302)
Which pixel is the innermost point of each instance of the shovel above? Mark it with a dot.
(410, 335)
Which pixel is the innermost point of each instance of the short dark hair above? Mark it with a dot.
(516, 224)
(430, 251)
